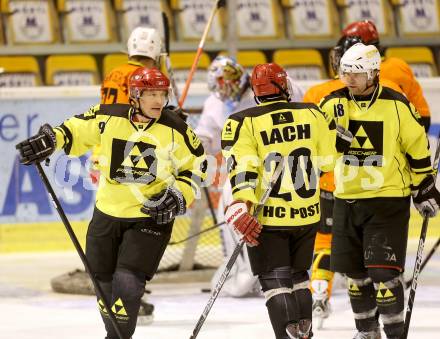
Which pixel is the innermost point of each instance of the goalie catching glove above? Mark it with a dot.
(426, 197)
(238, 217)
(165, 206)
(38, 147)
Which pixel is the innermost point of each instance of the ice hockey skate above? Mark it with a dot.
(145, 315)
(301, 330)
(321, 306)
(368, 335)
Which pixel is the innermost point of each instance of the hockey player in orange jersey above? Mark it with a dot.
(394, 73)
(144, 47)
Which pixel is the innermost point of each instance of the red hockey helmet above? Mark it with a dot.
(269, 79)
(364, 29)
(147, 79)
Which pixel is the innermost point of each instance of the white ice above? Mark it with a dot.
(29, 310)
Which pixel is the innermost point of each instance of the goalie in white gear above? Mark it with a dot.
(231, 92)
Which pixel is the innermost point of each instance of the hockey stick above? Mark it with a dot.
(210, 205)
(237, 250)
(78, 248)
(418, 263)
(425, 261)
(218, 4)
(197, 234)
(166, 29)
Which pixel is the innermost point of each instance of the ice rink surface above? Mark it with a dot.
(30, 310)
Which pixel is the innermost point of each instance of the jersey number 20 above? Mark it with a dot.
(300, 163)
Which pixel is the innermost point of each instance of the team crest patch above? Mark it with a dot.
(229, 130)
(367, 144)
(282, 118)
(133, 162)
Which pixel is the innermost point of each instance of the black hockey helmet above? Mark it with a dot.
(341, 47)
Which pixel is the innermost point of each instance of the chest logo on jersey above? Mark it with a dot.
(367, 142)
(282, 118)
(133, 162)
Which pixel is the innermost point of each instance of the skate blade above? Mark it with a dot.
(319, 323)
(144, 320)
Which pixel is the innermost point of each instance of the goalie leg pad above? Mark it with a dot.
(280, 302)
(390, 299)
(363, 301)
(128, 288)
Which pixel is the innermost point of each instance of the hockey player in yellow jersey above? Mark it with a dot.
(395, 74)
(152, 165)
(144, 47)
(385, 158)
(280, 239)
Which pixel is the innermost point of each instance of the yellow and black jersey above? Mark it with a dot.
(115, 87)
(137, 160)
(315, 94)
(390, 150)
(253, 142)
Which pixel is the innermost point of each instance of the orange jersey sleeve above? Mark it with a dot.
(315, 93)
(114, 88)
(399, 72)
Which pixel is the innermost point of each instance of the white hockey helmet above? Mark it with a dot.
(144, 41)
(360, 58)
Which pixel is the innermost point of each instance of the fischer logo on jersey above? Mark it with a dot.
(133, 162)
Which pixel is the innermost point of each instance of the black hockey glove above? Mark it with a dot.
(38, 147)
(426, 197)
(179, 111)
(165, 206)
(343, 139)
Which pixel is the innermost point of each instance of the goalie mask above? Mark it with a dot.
(227, 79)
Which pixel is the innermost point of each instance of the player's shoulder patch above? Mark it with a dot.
(231, 131)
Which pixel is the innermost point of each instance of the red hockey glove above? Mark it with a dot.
(238, 217)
